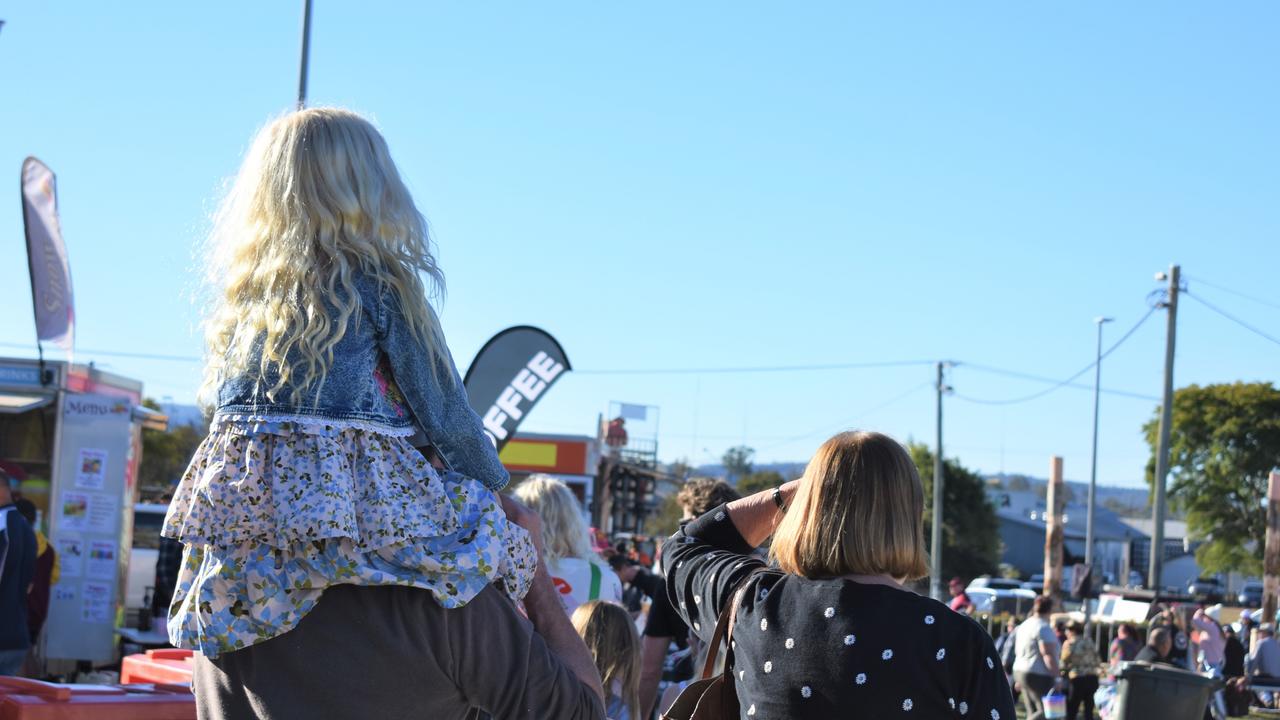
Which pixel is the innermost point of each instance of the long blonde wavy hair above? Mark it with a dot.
(564, 534)
(317, 202)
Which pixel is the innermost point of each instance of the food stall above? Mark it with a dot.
(71, 436)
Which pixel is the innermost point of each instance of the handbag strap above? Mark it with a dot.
(724, 628)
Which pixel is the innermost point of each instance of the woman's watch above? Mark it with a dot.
(777, 499)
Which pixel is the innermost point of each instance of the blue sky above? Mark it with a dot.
(710, 185)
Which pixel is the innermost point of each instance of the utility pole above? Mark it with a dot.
(1093, 472)
(306, 54)
(1156, 561)
(935, 549)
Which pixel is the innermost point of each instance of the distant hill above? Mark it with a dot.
(1124, 501)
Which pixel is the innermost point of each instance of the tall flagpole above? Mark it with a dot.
(306, 54)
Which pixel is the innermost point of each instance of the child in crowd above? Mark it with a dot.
(327, 366)
(610, 635)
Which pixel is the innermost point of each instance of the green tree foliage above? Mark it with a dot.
(1224, 442)
(666, 518)
(165, 455)
(970, 530)
(737, 461)
(757, 481)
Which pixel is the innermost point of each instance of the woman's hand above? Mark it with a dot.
(757, 515)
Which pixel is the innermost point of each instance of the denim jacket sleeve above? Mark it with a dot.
(439, 400)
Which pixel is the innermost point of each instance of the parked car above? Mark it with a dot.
(1036, 583)
(1206, 590)
(1250, 595)
(999, 595)
(148, 518)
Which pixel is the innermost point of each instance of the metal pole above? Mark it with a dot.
(306, 54)
(1156, 561)
(1093, 471)
(935, 548)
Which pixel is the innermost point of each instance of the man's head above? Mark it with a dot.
(1011, 625)
(1160, 640)
(1042, 605)
(6, 488)
(702, 495)
(1126, 631)
(956, 585)
(1075, 628)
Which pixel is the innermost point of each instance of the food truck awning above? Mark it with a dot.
(15, 403)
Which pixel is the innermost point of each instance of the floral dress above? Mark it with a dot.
(274, 510)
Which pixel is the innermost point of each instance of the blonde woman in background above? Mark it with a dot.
(610, 635)
(317, 537)
(578, 572)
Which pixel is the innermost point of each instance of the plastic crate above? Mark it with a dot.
(168, 665)
(23, 699)
(1147, 691)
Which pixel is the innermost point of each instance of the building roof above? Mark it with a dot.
(1026, 508)
(1173, 529)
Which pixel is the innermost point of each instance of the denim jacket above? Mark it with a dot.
(381, 379)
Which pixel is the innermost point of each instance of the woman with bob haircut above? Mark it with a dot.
(830, 631)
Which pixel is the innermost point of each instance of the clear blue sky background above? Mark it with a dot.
(712, 184)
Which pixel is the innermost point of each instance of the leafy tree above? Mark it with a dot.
(1224, 442)
(763, 480)
(970, 530)
(737, 461)
(680, 469)
(665, 519)
(165, 455)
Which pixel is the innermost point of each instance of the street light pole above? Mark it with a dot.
(306, 54)
(1093, 471)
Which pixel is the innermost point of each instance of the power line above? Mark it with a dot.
(117, 353)
(1230, 317)
(755, 369)
(1215, 286)
(1059, 383)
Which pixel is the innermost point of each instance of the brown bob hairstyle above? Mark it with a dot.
(859, 510)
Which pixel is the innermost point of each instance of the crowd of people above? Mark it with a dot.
(348, 510)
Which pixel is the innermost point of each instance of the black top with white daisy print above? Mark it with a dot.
(832, 648)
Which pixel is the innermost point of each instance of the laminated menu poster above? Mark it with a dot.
(71, 556)
(97, 602)
(89, 512)
(91, 470)
(102, 560)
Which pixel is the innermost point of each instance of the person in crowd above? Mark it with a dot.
(1124, 647)
(664, 626)
(579, 573)
(168, 563)
(47, 572)
(610, 635)
(1005, 644)
(960, 601)
(1036, 653)
(1210, 637)
(1159, 645)
(832, 632)
(17, 571)
(1265, 659)
(318, 538)
(1233, 654)
(1080, 664)
(1246, 631)
(1060, 630)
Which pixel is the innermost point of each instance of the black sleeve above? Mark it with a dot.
(705, 561)
(663, 620)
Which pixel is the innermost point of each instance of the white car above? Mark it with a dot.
(148, 518)
(998, 595)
